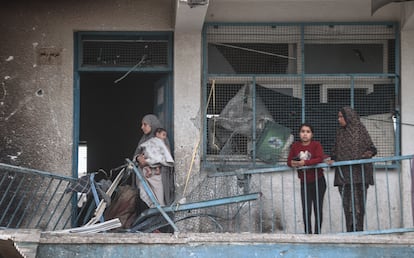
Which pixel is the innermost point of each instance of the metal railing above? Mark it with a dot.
(279, 210)
(36, 199)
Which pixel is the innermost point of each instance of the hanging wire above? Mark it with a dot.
(143, 58)
(253, 50)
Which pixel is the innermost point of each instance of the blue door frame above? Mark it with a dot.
(166, 73)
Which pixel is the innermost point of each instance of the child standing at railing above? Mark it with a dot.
(307, 152)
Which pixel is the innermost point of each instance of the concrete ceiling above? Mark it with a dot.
(192, 19)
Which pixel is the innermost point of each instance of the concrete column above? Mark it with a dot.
(407, 117)
(187, 101)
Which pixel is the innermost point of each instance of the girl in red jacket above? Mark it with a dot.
(307, 152)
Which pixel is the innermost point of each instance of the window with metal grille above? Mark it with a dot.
(142, 51)
(262, 81)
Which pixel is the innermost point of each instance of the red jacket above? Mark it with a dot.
(312, 154)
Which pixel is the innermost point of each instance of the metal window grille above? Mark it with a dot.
(118, 53)
(121, 52)
(260, 76)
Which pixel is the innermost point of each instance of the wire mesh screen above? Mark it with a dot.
(231, 217)
(282, 75)
(117, 53)
(242, 116)
(341, 49)
(252, 49)
(376, 105)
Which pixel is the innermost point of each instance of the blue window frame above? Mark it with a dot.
(261, 76)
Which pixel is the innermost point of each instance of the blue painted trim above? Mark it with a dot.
(199, 205)
(380, 232)
(385, 75)
(352, 104)
(95, 193)
(76, 104)
(397, 90)
(204, 98)
(76, 118)
(125, 69)
(282, 168)
(302, 53)
(169, 110)
(272, 24)
(254, 121)
(12, 168)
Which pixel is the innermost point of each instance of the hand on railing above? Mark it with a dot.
(141, 160)
(367, 155)
(297, 163)
(327, 159)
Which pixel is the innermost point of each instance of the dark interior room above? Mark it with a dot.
(110, 115)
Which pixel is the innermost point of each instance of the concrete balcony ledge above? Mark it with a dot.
(225, 245)
(33, 243)
(219, 238)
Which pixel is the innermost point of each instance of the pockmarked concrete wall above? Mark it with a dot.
(36, 71)
(187, 112)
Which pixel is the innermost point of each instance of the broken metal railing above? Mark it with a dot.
(149, 216)
(151, 195)
(230, 199)
(40, 200)
(34, 199)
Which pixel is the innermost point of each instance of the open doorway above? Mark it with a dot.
(110, 115)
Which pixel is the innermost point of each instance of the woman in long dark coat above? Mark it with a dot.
(149, 125)
(126, 206)
(353, 142)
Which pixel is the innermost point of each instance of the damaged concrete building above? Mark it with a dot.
(225, 77)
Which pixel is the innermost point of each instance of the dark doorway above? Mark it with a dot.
(110, 115)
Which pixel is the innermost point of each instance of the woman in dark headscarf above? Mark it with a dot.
(353, 142)
(162, 183)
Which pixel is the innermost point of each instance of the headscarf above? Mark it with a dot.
(166, 172)
(352, 140)
(154, 123)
